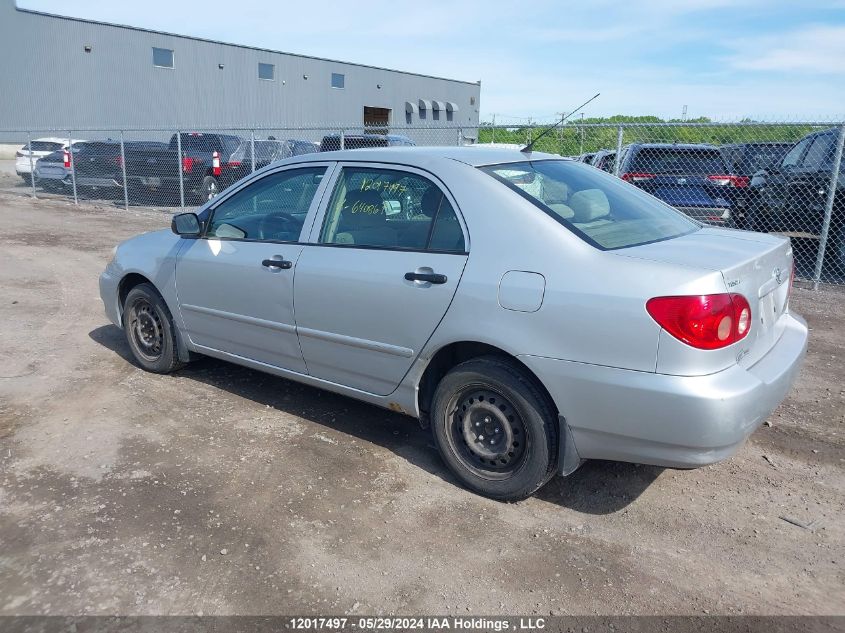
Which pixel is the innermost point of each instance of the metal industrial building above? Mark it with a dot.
(62, 73)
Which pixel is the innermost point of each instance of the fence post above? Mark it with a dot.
(342, 140)
(252, 147)
(72, 164)
(31, 165)
(619, 134)
(123, 169)
(828, 207)
(179, 167)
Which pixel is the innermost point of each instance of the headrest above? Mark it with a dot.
(363, 209)
(555, 192)
(589, 205)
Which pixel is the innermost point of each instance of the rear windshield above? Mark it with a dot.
(601, 209)
(677, 160)
(757, 157)
(45, 146)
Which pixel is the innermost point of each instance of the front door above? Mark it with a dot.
(387, 259)
(235, 284)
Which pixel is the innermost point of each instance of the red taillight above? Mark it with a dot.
(703, 321)
(733, 181)
(637, 176)
(233, 163)
(187, 164)
(215, 163)
(67, 159)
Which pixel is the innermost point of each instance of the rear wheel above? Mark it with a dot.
(149, 330)
(495, 428)
(210, 188)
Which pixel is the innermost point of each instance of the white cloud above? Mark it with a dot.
(816, 50)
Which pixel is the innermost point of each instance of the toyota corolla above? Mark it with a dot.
(534, 312)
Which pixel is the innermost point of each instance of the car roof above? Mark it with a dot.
(411, 155)
(52, 139)
(674, 145)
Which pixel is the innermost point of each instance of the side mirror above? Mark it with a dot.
(186, 225)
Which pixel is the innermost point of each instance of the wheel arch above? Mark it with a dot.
(453, 354)
(134, 279)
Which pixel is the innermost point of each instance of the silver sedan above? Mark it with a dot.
(533, 311)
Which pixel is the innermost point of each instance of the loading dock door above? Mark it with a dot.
(376, 119)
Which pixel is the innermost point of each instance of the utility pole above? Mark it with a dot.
(494, 128)
(582, 135)
(561, 115)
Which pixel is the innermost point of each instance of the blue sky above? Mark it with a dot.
(726, 59)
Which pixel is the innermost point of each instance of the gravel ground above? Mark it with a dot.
(225, 491)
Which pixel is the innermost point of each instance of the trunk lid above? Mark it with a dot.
(755, 265)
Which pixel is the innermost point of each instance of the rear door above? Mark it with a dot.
(384, 261)
(693, 180)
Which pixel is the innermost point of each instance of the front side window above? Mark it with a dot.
(270, 209)
(338, 80)
(162, 57)
(601, 209)
(390, 209)
(266, 71)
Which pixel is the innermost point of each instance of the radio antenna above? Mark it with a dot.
(528, 148)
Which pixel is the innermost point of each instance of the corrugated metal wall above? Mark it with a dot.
(47, 80)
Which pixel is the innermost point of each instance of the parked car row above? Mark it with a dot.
(202, 164)
(771, 186)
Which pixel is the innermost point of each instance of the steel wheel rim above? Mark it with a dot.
(486, 432)
(146, 330)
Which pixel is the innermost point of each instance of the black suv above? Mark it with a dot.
(693, 178)
(744, 160)
(791, 196)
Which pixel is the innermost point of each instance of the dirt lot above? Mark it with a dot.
(224, 491)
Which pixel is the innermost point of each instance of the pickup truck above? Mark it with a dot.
(791, 196)
(157, 169)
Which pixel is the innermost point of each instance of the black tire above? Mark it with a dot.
(149, 330)
(495, 396)
(27, 179)
(209, 189)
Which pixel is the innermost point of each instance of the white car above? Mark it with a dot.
(39, 147)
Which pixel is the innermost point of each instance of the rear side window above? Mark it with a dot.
(820, 152)
(794, 155)
(389, 208)
(599, 208)
(45, 146)
(676, 160)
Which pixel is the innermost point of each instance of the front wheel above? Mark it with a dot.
(149, 330)
(495, 428)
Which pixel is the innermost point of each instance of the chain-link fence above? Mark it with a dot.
(783, 178)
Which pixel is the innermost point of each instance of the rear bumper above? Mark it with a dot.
(51, 173)
(90, 181)
(674, 421)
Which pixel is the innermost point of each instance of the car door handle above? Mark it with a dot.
(277, 263)
(432, 278)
